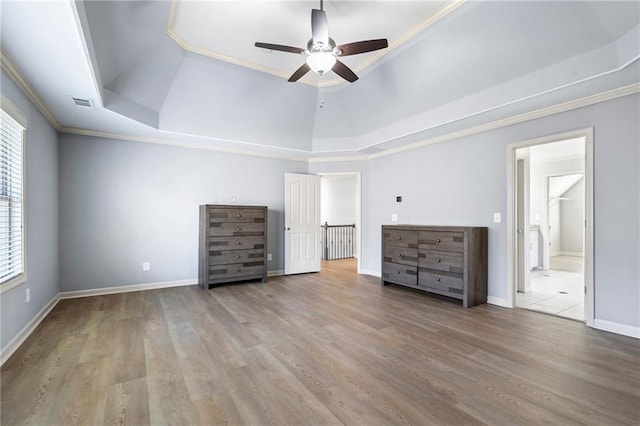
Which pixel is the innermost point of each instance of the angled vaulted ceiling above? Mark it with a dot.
(470, 62)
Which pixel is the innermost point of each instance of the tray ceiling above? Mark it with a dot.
(452, 66)
(228, 30)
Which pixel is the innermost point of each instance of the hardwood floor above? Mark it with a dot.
(319, 349)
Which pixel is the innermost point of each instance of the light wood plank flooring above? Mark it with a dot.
(318, 349)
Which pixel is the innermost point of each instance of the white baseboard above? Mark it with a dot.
(275, 273)
(26, 331)
(499, 301)
(125, 288)
(614, 327)
(370, 272)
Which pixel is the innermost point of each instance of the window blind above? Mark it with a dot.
(11, 190)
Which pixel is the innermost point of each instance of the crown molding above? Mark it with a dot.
(373, 57)
(16, 75)
(302, 157)
(509, 121)
(307, 156)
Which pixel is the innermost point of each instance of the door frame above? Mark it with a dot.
(512, 243)
(358, 176)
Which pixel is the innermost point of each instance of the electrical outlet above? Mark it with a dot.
(269, 256)
(394, 217)
(146, 266)
(497, 218)
(27, 295)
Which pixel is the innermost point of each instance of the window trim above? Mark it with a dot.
(10, 109)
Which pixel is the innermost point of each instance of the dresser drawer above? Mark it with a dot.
(441, 260)
(239, 270)
(235, 229)
(442, 284)
(400, 238)
(403, 255)
(235, 256)
(400, 274)
(235, 215)
(438, 240)
(235, 243)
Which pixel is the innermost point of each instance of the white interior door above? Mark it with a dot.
(302, 223)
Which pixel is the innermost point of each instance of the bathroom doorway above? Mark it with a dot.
(552, 236)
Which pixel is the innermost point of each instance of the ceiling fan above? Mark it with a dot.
(322, 52)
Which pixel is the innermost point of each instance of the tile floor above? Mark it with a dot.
(555, 292)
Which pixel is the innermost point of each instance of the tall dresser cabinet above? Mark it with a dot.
(445, 260)
(233, 244)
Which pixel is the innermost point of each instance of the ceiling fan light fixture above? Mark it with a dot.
(321, 62)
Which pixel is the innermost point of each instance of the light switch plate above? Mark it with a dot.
(394, 217)
(497, 218)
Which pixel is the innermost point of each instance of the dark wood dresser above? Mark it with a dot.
(233, 244)
(446, 260)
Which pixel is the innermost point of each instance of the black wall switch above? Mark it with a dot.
(399, 199)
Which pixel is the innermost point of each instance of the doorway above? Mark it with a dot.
(305, 200)
(341, 219)
(550, 225)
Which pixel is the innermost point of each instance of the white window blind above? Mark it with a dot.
(11, 207)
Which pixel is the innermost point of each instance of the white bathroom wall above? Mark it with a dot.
(572, 220)
(539, 174)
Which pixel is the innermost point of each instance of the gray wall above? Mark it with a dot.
(41, 190)
(123, 203)
(463, 182)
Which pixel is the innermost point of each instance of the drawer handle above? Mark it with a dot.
(438, 260)
(399, 238)
(238, 270)
(238, 215)
(238, 256)
(398, 272)
(437, 279)
(438, 240)
(238, 229)
(238, 243)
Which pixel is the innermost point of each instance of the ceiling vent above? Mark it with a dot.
(87, 103)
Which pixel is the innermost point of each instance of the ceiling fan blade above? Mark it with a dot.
(319, 27)
(300, 72)
(280, 47)
(344, 71)
(362, 47)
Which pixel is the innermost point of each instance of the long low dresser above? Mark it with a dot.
(233, 244)
(446, 260)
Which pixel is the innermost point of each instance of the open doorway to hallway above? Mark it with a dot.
(340, 218)
(551, 199)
